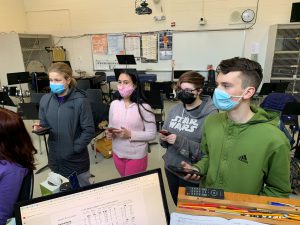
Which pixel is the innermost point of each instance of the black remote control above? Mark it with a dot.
(205, 192)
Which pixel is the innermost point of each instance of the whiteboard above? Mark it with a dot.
(196, 50)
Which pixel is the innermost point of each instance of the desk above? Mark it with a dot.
(240, 200)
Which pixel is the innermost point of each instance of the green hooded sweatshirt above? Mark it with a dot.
(250, 158)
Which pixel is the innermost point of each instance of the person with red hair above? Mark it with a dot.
(16, 160)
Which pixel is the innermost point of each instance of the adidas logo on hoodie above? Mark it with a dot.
(243, 158)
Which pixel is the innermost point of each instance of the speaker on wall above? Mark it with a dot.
(295, 14)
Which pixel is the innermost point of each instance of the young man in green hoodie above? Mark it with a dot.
(245, 150)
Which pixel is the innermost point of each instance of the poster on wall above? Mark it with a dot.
(99, 44)
(149, 48)
(115, 44)
(99, 52)
(133, 45)
(165, 45)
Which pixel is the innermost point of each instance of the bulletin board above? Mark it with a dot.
(192, 51)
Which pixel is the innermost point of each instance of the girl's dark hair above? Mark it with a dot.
(137, 96)
(251, 71)
(15, 143)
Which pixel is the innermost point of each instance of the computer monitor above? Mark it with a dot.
(67, 62)
(178, 73)
(18, 78)
(138, 199)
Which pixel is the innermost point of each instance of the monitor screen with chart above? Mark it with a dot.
(138, 199)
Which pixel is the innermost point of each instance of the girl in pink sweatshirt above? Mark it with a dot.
(132, 125)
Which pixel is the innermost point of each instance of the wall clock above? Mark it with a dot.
(248, 15)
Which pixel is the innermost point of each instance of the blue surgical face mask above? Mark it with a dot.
(222, 100)
(57, 88)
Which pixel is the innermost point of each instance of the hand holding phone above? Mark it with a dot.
(112, 129)
(36, 126)
(41, 130)
(182, 171)
(164, 132)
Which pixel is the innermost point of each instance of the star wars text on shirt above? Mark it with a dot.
(184, 124)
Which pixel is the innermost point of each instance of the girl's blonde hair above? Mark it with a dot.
(65, 70)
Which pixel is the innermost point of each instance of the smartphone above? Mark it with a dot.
(180, 170)
(164, 132)
(42, 130)
(73, 179)
(112, 129)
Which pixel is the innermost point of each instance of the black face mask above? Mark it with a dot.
(186, 97)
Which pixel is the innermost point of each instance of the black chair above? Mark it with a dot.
(289, 116)
(99, 110)
(168, 89)
(100, 113)
(47, 150)
(157, 86)
(277, 102)
(95, 95)
(105, 90)
(26, 190)
(208, 89)
(100, 73)
(157, 104)
(83, 84)
(36, 97)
